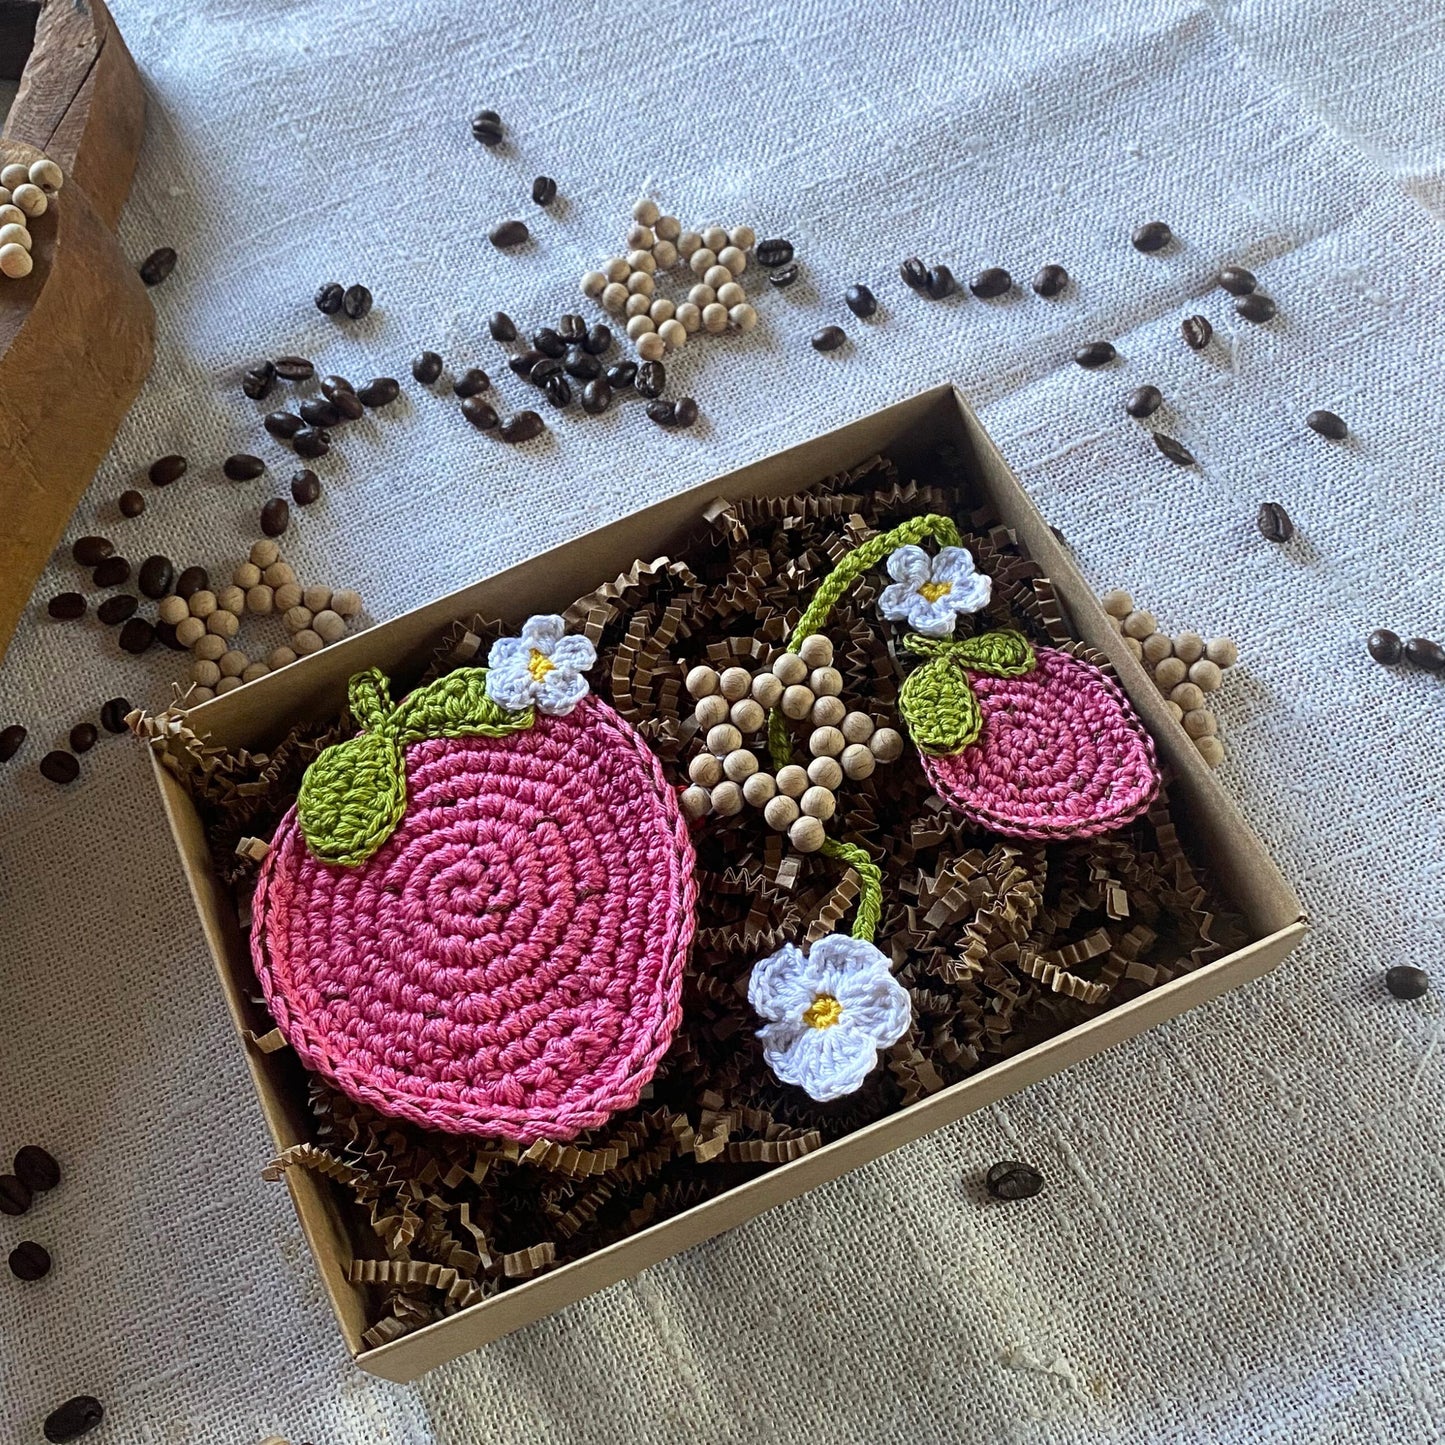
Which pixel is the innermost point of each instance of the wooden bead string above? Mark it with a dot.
(25, 194)
(657, 244)
(1185, 668)
(264, 585)
(733, 705)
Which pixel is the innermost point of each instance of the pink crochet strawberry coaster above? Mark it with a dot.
(477, 916)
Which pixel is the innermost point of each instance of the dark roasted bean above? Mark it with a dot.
(473, 381)
(12, 739)
(1256, 307)
(1095, 353)
(1050, 280)
(502, 327)
(487, 127)
(662, 412)
(157, 576)
(83, 737)
(1274, 523)
(158, 265)
(1237, 281)
(111, 572)
(860, 300)
(776, 252)
(544, 190)
(90, 550)
(784, 275)
(1327, 424)
(29, 1261)
(348, 406)
(1196, 332)
(522, 427)
(684, 412)
(243, 467)
(1407, 981)
(651, 379)
(1144, 401)
(621, 375)
(328, 297)
(73, 1419)
(480, 412)
(1152, 236)
(192, 580)
(66, 606)
(572, 329)
(275, 517)
(15, 1192)
(546, 368)
(166, 636)
(1385, 646)
(379, 391)
(558, 390)
(1176, 451)
(523, 362)
(165, 470)
(1424, 653)
(940, 283)
(581, 364)
(112, 716)
(136, 636)
(596, 396)
(114, 610)
(356, 302)
(426, 367)
(294, 368)
(548, 342)
(318, 411)
(914, 274)
(61, 768)
(1012, 1179)
(991, 282)
(506, 234)
(131, 503)
(332, 386)
(305, 487)
(257, 385)
(36, 1166)
(283, 424)
(311, 442)
(830, 338)
(599, 340)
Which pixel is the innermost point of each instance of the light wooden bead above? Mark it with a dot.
(615, 294)
(701, 681)
(205, 673)
(739, 765)
(780, 812)
(673, 335)
(227, 684)
(818, 803)
(1139, 625)
(857, 727)
(1135, 649)
(788, 668)
(642, 265)
(747, 716)
(644, 211)
(1201, 723)
(705, 770)
(1175, 711)
(329, 626)
(696, 802)
(280, 657)
(699, 263)
(1157, 646)
(594, 283)
(285, 597)
(1211, 750)
(743, 237)
(246, 575)
(826, 743)
(15, 174)
(1117, 603)
(1188, 647)
(641, 283)
(767, 690)
(690, 316)
(197, 695)
(723, 739)
(318, 599)
(827, 712)
(295, 618)
(702, 296)
(1169, 674)
(638, 305)
(641, 236)
(223, 624)
(306, 642)
(1188, 696)
(730, 294)
(639, 326)
(715, 318)
(12, 234)
(826, 681)
(260, 600)
(31, 199)
(173, 610)
(714, 236)
(253, 671)
(665, 254)
(727, 800)
(743, 318)
(687, 243)
(825, 773)
(231, 599)
(346, 602)
(46, 174)
(202, 603)
(209, 646)
(886, 745)
(1206, 675)
(816, 650)
(11, 215)
(189, 631)
(792, 781)
(278, 574)
(711, 710)
(717, 277)
(797, 701)
(233, 662)
(807, 835)
(668, 228)
(265, 552)
(15, 262)
(661, 310)
(652, 347)
(858, 762)
(760, 789)
(733, 258)
(1222, 652)
(617, 269)
(1117, 623)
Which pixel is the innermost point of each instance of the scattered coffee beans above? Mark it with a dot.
(166, 470)
(940, 283)
(651, 379)
(472, 382)
(243, 467)
(14, 1191)
(12, 739)
(776, 252)
(544, 190)
(522, 427)
(191, 581)
(1050, 280)
(914, 274)
(1274, 523)
(114, 610)
(166, 636)
(830, 338)
(673, 414)
(1256, 307)
(305, 487)
(596, 396)
(294, 368)
(861, 301)
(1385, 646)
(480, 413)
(581, 364)
(111, 572)
(784, 276)
(158, 265)
(379, 391)
(73, 1419)
(136, 636)
(257, 384)
(66, 606)
(1327, 424)
(1426, 654)
(90, 550)
(543, 370)
(275, 517)
(282, 424)
(621, 375)
(311, 442)
(334, 386)
(131, 503)
(29, 1261)
(356, 302)
(487, 127)
(502, 327)
(1144, 401)
(1406, 981)
(36, 1168)
(1152, 236)
(548, 342)
(1174, 450)
(991, 282)
(83, 737)
(558, 390)
(58, 767)
(329, 296)
(523, 362)
(157, 575)
(1095, 353)
(598, 341)
(1196, 331)
(507, 234)
(1012, 1179)
(1237, 281)
(112, 719)
(426, 367)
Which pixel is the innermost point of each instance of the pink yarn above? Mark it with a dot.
(509, 964)
(1061, 754)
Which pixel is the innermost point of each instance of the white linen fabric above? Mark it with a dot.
(1240, 1239)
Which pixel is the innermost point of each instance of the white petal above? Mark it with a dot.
(972, 594)
(877, 1005)
(511, 686)
(953, 564)
(909, 564)
(508, 650)
(825, 1063)
(574, 652)
(851, 955)
(560, 691)
(776, 987)
(543, 632)
(931, 619)
(895, 600)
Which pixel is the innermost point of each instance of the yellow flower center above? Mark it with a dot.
(932, 591)
(823, 1012)
(539, 665)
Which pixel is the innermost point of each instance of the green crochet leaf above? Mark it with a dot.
(1004, 653)
(939, 707)
(456, 706)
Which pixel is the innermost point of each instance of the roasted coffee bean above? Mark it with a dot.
(158, 265)
(348, 406)
(356, 302)
(558, 390)
(83, 737)
(621, 375)
(257, 385)
(914, 274)
(1152, 236)
(1176, 451)
(599, 341)
(1385, 646)
(1095, 353)
(684, 412)
(776, 252)
(651, 379)
(29, 1261)
(192, 580)
(311, 442)
(572, 329)
(480, 412)
(166, 636)
(473, 381)
(860, 301)
(305, 487)
(35, 1166)
(1426, 654)
(318, 411)
(830, 338)
(1327, 424)
(1274, 523)
(1237, 281)
(243, 467)
(73, 1419)
(131, 503)
(1407, 981)
(506, 234)
(544, 190)
(991, 282)
(111, 572)
(1050, 280)
(548, 342)
(114, 610)
(112, 718)
(596, 396)
(487, 127)
(328, 297)
(1196, 332)
(1144, 401)
(1256, 307)
(426, 367)
(282, 424)
(379, 391)
(783, 276)
(294, 368)
(66, 606)
(664, 413)
(15, 1192)
(523, 362)
(12, 739)
(136, 636)
(581, 364)
(90, 550)
(522, 427)
(61, 768)
(940, 283)
(1012, 1179)
(502, 327)
(166, 470)
(334, 386)
(544, 370)
(275, 517)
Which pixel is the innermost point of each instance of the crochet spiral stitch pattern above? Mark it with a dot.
(509, 962)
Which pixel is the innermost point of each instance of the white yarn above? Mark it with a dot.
(928, 593)
(542, 668)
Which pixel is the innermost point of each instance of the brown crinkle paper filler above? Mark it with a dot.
(1001, 943)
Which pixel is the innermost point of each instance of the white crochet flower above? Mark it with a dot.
(828, 1012)
(928, 593)
(542, 668)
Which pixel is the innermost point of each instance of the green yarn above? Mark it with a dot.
(936, 701)
(870, 879)
(354, 793)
